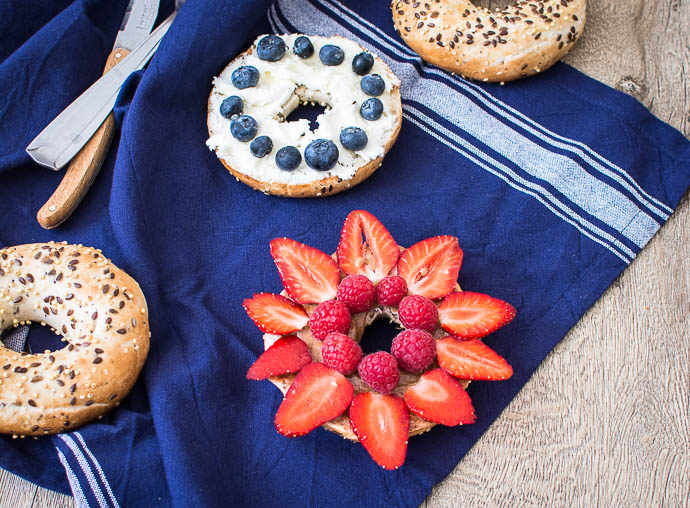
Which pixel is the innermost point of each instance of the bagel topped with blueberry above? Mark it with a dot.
(252, 98)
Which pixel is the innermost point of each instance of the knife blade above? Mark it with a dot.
(136, 23)
(62, 138)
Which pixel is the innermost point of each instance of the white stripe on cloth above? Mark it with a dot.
(99, 470)
(274, 20)
(507, 112)
(86, 469)
(73, 481)
(520, 184)
(590, 194)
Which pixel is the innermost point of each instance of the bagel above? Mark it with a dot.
(311, 331)
(285, 84)
(100, 312)
(501, 45)
(341, 424)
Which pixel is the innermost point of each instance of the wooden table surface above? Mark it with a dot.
(604, 421)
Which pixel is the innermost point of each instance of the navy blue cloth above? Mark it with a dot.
(552, 184)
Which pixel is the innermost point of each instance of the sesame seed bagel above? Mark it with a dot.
(100, 312)
(282, 86)
(501, 45)
(341, 424)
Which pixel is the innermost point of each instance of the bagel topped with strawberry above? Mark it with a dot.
(313, 328)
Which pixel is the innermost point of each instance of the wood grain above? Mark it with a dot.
(83, 169)
(620, 435)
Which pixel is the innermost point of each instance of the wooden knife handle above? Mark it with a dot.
(82, 169)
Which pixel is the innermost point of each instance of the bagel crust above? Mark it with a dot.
(501, 45)
(341, 424)
(101, 314)
(324, 183)
(317, 188)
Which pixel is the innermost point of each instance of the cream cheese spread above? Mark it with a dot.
(282, 86)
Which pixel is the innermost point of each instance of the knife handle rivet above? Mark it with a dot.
(52, 208)
(118, 54)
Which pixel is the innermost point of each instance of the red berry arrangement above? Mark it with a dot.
(313, 328)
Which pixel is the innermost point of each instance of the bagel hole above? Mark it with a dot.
(378, 336)
(308, 111)
(40, 339)
(305, 104)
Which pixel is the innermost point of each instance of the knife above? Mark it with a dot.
(47, 148)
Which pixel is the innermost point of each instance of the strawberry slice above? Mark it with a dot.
(471, 359)
(286, 355)
(473, 315)
(381, 423)
(431, 266)
(439, 397)
(317, 395)
(275, 313)
(374, 257)
(308, 275)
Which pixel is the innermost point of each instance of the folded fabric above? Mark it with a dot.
(552, 185)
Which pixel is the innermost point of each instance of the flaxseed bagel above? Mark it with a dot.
(501, 45)
(101, 313)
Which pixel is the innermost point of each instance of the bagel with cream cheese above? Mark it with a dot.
(253, 97)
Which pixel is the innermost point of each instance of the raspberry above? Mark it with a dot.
(418, 312)
(390, 290)
(341, 353)
(357, 292)
(414, 349)
(380, 371)
(329, 316)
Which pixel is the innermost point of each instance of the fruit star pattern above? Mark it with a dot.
(314, 328)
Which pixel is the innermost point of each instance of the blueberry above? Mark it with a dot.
(303, 47)
(373, 85)
(243, 128)
(321, 154)
(288, 158)
(371, 109)
(331, 55)
(362, 63)
(231, 106)
(353, 138)
(271, 48)
(261, 146)
(245, 77)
